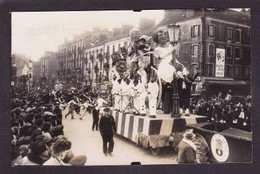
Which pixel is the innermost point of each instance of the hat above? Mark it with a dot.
(24, 140)
(144, 37)
(189, 134)
(106, 109)
(47, 113)
(78, 160)
(61, 145)
(116, 57)
(37, 147)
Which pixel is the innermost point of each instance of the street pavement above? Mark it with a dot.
(89, 143)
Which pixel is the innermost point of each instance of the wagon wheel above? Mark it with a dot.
(155, 151)
(159, 81)
(202, 148)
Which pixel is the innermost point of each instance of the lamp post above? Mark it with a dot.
(174, 32)
(174, 37)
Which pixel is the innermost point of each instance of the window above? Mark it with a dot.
(195, 31)
(247, 72)
(229, 33)
(211, 50)
(237, 53)
(107, 49)
(238, 35)
(237, 71)
(229, 70)
(229, 52)
(195, 50)
(210, 69)
(212, 31)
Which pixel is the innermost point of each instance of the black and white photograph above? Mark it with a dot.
(122, 87)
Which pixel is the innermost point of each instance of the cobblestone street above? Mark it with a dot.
(88, 142)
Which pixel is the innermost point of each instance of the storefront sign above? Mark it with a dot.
(220, 62)
(219, 147)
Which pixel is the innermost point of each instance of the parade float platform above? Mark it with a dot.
(226, 145)
(153, 132)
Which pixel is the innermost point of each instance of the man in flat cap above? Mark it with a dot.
(107, 128)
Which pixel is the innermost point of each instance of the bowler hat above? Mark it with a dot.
(106, 109)
(189, 134)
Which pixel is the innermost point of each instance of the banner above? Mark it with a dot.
(220, 62)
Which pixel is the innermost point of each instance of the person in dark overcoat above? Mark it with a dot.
(187, 148)
(107, 128)
(95, 116)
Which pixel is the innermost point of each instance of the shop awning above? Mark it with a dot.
(226, 82)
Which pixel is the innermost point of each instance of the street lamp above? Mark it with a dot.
(174, 37)
(174, 33)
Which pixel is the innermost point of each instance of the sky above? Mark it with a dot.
(33, 33)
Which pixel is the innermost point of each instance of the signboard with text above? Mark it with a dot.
(220, 62)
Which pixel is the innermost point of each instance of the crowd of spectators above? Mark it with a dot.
(228, 110)
(37, 130)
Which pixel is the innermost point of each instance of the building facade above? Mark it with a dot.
(208, 36)
(48, 69)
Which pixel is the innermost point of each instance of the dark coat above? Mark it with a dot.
(186, 154)
(107, 125)
(95, 114)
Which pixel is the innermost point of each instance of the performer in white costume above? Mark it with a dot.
(115, 93)
(165, 51)
(142, 94)
(134, 94)
(153, 90)
(125, 92)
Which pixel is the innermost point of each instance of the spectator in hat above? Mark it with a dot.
(59, 148)
(107, 128)
(38, 153)
(187, 148)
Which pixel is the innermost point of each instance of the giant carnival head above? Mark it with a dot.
(119, 62)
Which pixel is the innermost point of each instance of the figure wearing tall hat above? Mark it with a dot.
(118, 65)
(143, 56)
(184, 82)
(152, 90)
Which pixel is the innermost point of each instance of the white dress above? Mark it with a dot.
(165, 68)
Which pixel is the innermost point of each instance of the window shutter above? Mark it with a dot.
(198, 30)
(191, 32)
